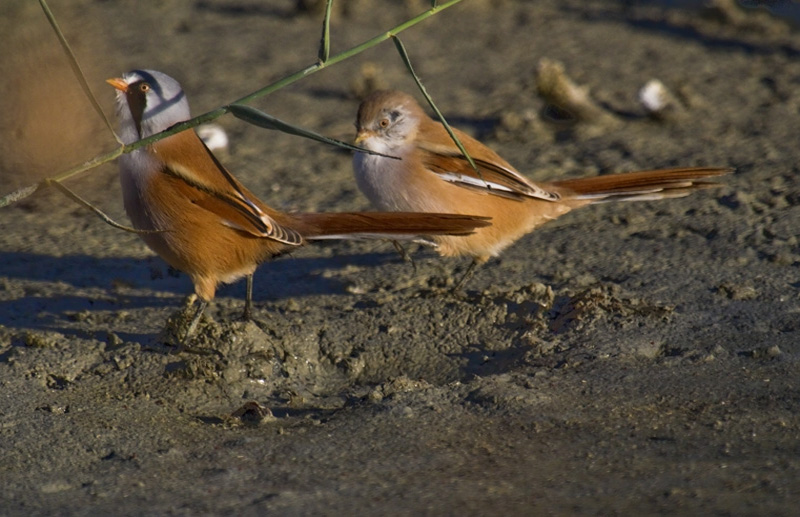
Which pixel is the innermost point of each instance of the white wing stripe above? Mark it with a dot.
(533, 191)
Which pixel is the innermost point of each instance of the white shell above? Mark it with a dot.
(654, 96)
(213, 136)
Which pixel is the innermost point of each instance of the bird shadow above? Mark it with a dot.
(38, 291)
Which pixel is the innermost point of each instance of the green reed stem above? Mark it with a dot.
(218, 112)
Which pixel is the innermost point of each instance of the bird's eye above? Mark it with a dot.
(144, 87)
(384, 123)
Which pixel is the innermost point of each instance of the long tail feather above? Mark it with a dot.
(382, 225)
(642, 185)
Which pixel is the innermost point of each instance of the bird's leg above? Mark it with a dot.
(404, 254)
(467, 275)
(247, 315)
(198, 313)
(184, 347)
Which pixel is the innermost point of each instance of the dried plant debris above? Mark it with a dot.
(749, 15)
(558, 90)
(739, 292)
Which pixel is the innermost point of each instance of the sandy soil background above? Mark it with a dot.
(626, 357)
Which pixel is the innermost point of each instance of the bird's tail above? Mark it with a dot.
(384, 225)
(642, 185)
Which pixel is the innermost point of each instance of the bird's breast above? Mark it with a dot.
(136, 173)
(374, 178)
(393, 184)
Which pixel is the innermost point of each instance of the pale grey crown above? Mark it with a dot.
(164, 103)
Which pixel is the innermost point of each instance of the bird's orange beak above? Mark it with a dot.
(118, 83)
(362, 135)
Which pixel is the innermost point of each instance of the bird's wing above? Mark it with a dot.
(215, 189)
(494, 175)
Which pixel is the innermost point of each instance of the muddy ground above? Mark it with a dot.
(633, 357)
